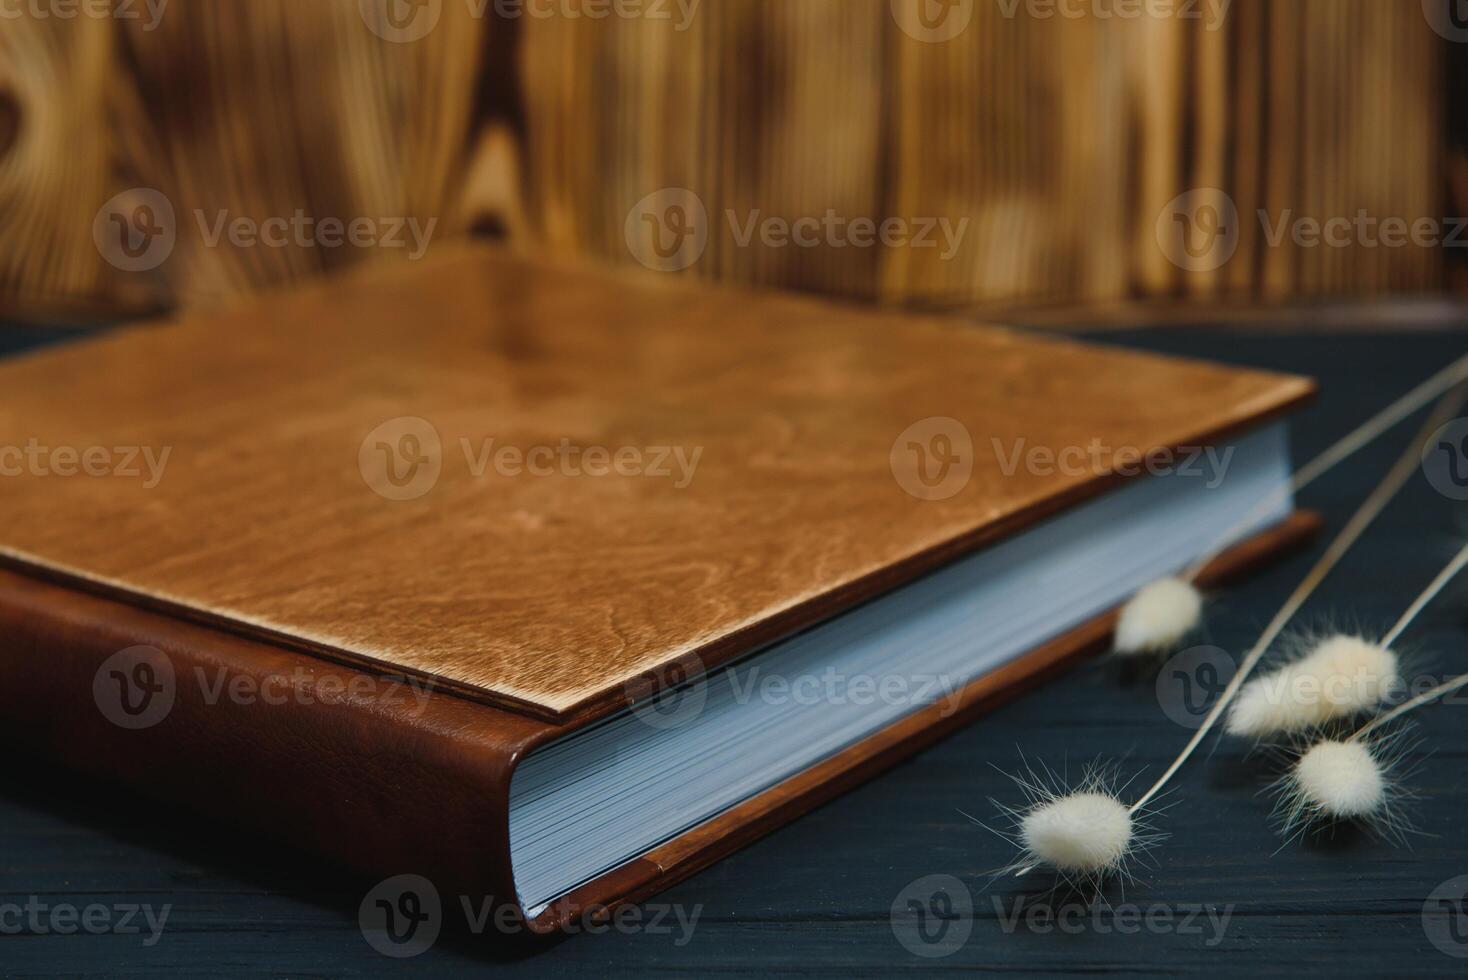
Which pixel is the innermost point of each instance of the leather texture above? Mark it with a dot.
(334, 479)
(362, 771)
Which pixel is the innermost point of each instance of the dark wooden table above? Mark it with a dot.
(816, 898)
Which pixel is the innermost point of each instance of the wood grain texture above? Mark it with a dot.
(54, 163)
(294, 113)
(554, 591)
(1056, 140)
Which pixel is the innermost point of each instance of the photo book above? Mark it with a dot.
(557, 585)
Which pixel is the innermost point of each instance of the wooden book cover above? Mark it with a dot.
(375, 541)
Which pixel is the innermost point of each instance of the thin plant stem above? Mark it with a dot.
(1431, 592)
(1370, 508)
(1345, 447)
(1446, 687)
(1383, 420)
(1373, 505)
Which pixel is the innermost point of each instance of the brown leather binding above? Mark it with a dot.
(550, 593)
(356, 768)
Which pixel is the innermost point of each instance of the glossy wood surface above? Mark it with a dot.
(562, 592)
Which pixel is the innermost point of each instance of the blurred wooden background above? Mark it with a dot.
(1059, 139)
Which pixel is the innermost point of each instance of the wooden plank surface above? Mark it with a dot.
(1020, 132)
(815, 898)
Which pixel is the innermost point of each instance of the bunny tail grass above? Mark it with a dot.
(1083, 832)
(1355, 780)
(1041, 793)
(1359, 778)
(1373, 505)
(1341, 677)
(1158, 617)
